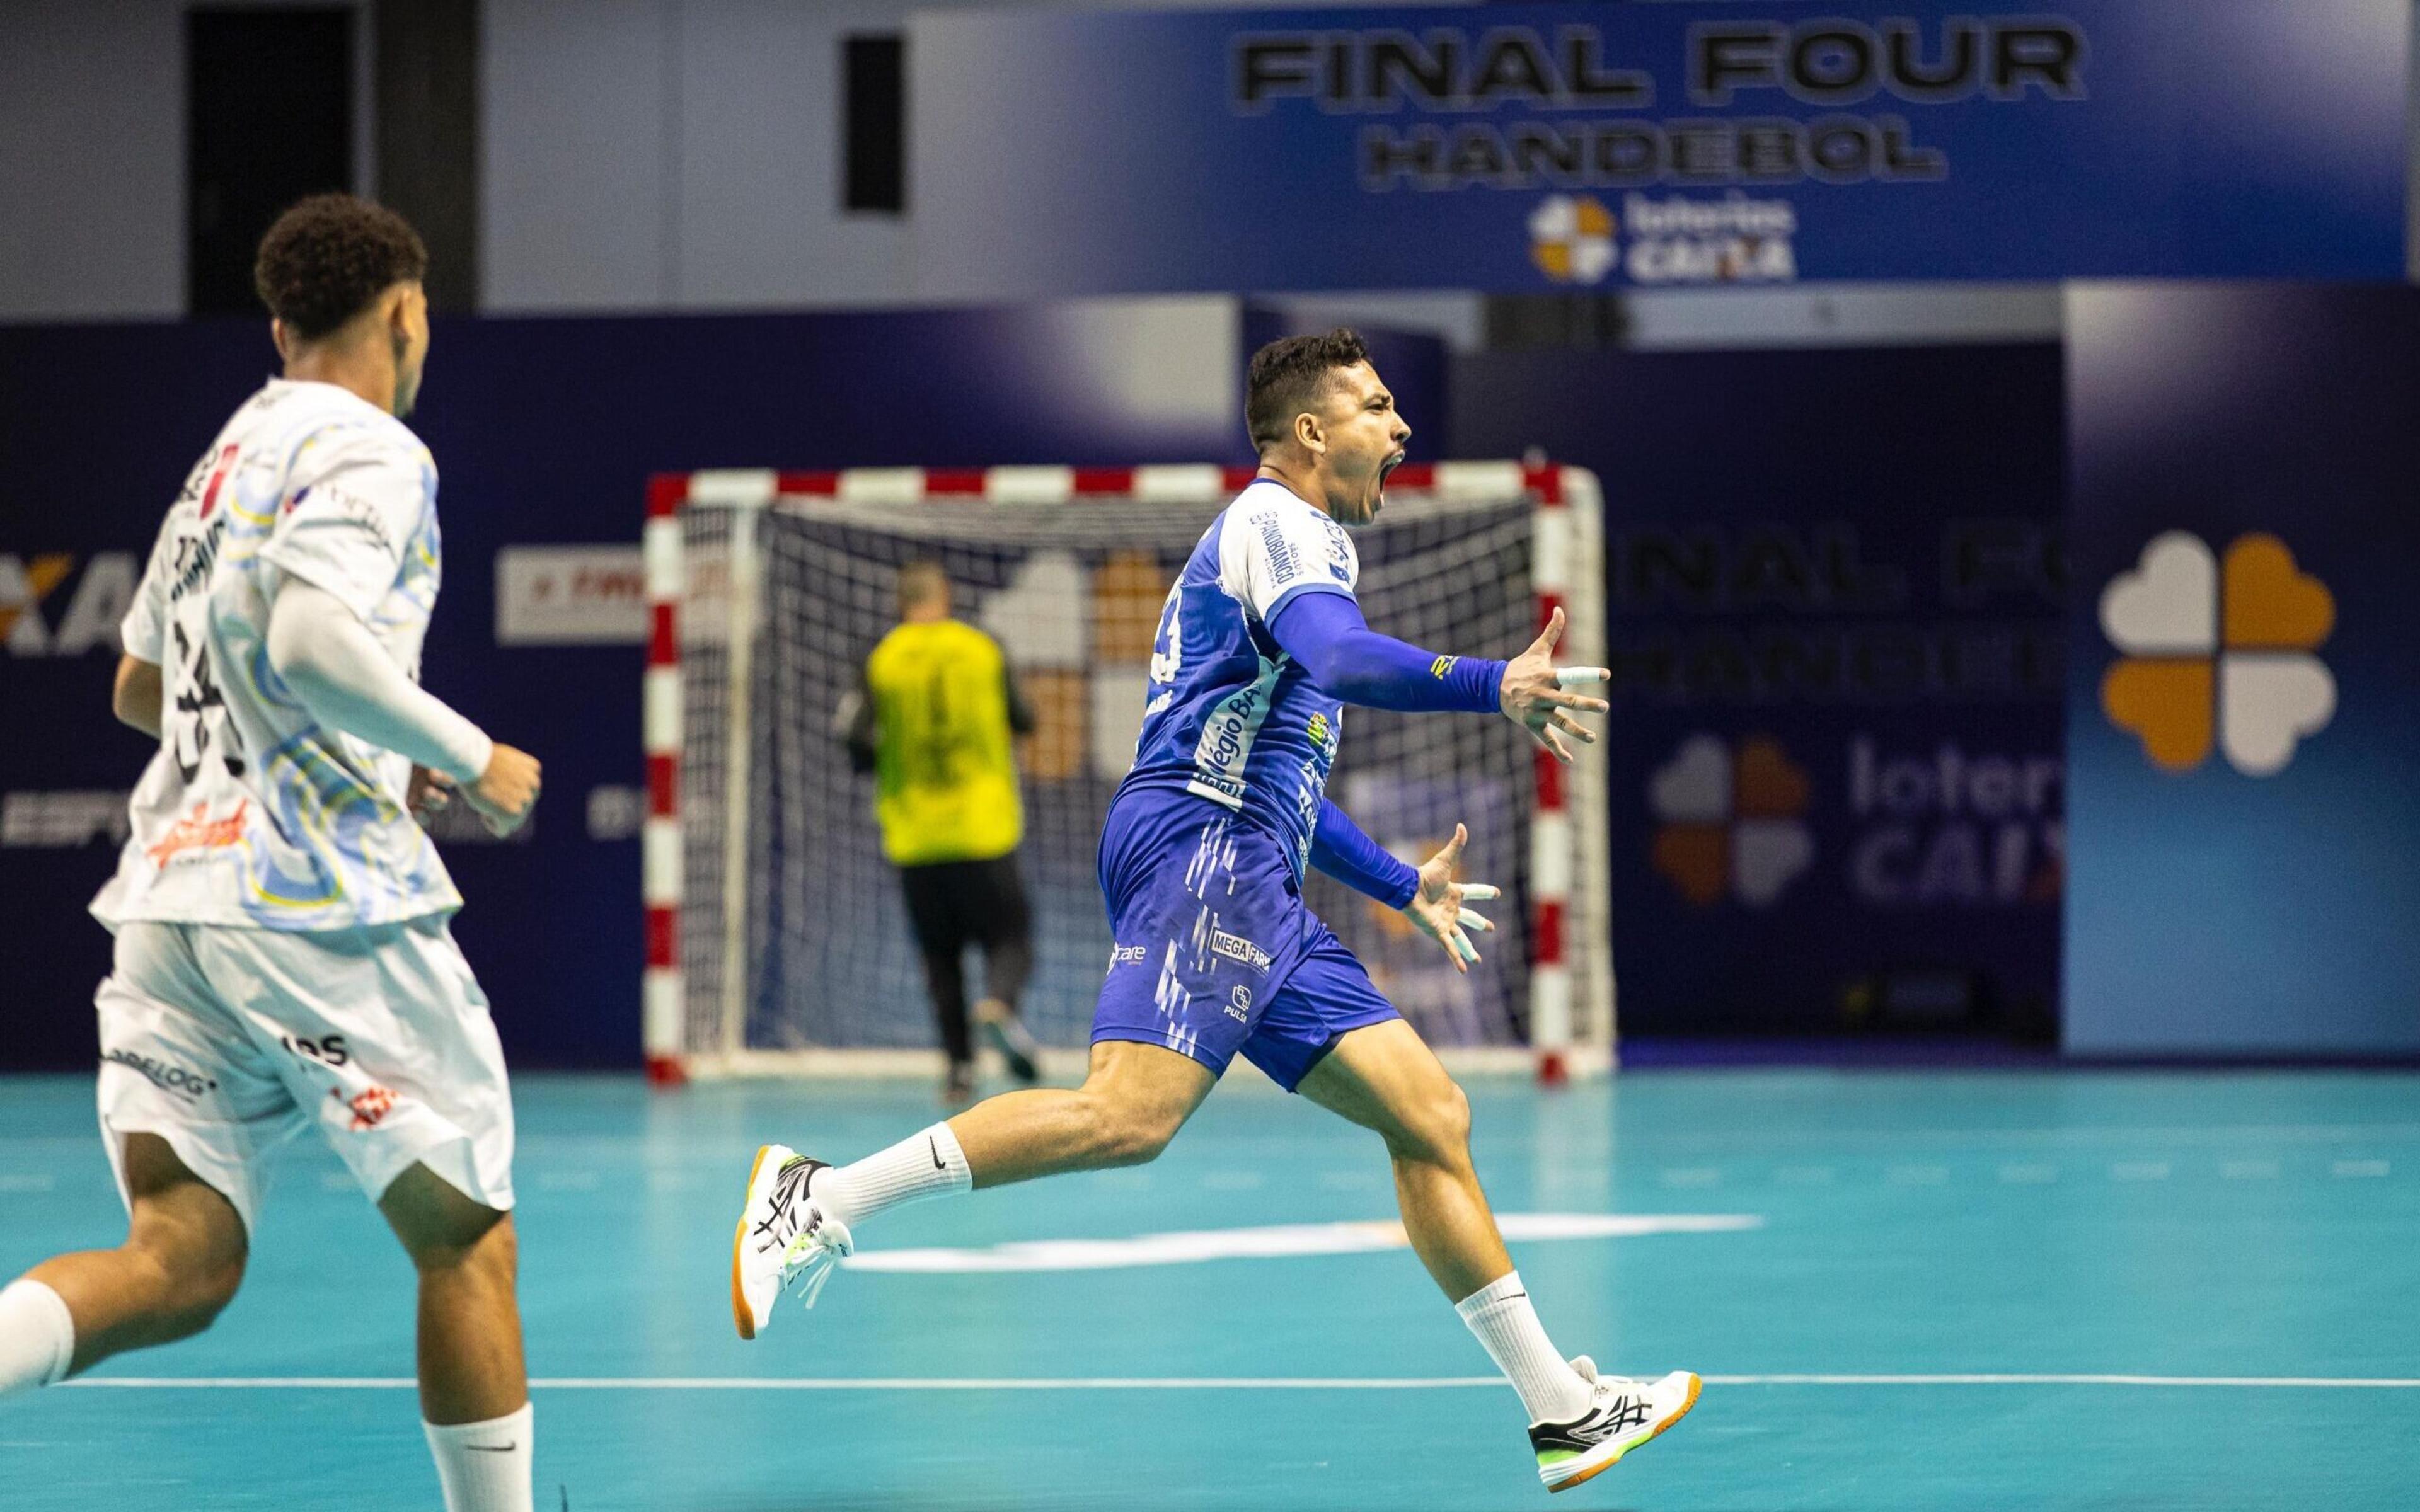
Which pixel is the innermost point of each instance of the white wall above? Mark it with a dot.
(686, 154)
(92, 160)
(92, 155)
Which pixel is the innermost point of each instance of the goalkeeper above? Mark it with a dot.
(936, 725)
(1261, 645)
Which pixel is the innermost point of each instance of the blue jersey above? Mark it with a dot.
(1232, 717)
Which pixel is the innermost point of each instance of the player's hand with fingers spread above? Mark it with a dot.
(507, 790)
(1436, 910)
(1533, 693)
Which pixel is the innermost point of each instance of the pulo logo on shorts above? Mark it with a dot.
(1237, 949)
(2218, 652)
(1731, 824)
(186, 1083)
(1239, 1005)
(1572, 239)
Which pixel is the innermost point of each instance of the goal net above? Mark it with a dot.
(778, 939)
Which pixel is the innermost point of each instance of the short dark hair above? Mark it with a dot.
(1286, 377)
(329, 257)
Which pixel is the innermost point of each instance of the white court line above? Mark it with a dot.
(1205, 1382)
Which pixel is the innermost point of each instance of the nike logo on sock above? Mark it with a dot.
(934, 1145)
(493, 1448)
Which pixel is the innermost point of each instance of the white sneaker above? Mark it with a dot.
(784, 1235)
(1622, 1414)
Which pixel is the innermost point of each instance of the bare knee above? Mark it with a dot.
(1433, 1127)
(187, 1284)
(1130, 1133)
(487, 1250)
(445, 1231)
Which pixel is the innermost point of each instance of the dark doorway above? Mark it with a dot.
(269, 118)
(873, 121)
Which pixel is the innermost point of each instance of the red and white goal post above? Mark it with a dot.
(775, 939)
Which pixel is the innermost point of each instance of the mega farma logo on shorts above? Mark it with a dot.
(2218, 652)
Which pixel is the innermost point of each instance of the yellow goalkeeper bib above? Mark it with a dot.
(945, 772)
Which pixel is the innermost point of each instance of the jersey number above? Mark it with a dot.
(1168, 646)
(194, 698)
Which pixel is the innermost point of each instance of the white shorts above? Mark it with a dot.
(227, 1043)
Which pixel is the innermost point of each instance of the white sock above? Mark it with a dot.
(485, 1467)
(1499, 1313)
(37, 1336)
(929, 1165)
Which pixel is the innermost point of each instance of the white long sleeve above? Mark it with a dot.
(332, 663)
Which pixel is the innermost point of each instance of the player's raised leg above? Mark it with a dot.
(1383, 1078)
(800, 1214)
(474, 1402)
(181, 1262)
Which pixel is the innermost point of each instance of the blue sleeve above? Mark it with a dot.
(1339, 848)
(1327, 634)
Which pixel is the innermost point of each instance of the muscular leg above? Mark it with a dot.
(181, 1262)
(1385, 1077)
(471, 1368)
(1134, 1099)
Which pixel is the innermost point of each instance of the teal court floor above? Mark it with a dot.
(2025, 1290)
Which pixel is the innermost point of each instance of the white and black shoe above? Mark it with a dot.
(784, 1235)
(1622, 1414)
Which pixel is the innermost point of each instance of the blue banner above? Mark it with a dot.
(1835, 590)
(2244, 830)
(1540, 147)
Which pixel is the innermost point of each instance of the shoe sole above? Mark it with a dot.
(1614, 1458)
(740, 1312)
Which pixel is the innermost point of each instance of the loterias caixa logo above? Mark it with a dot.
(1733, 822)
(2218, 652)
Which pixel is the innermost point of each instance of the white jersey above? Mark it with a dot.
(253, 813)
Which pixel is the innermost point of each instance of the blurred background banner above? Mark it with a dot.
(1835, 599)
(1550, 147)
(2245, 698)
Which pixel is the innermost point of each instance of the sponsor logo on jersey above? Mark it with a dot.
(1280, 550)
(198, 831)
(1443, 665)
(1236, 948)
(188, 1085)
(1126, 955)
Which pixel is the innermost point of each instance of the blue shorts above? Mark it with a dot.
(1214, 951)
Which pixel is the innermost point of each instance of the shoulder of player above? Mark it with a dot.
(328, 428)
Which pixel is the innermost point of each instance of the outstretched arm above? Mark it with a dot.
(1428, 895)
(1339, 848)
(1327, 634)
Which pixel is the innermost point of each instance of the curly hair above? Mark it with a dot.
(1286, 377)
(329, 257)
